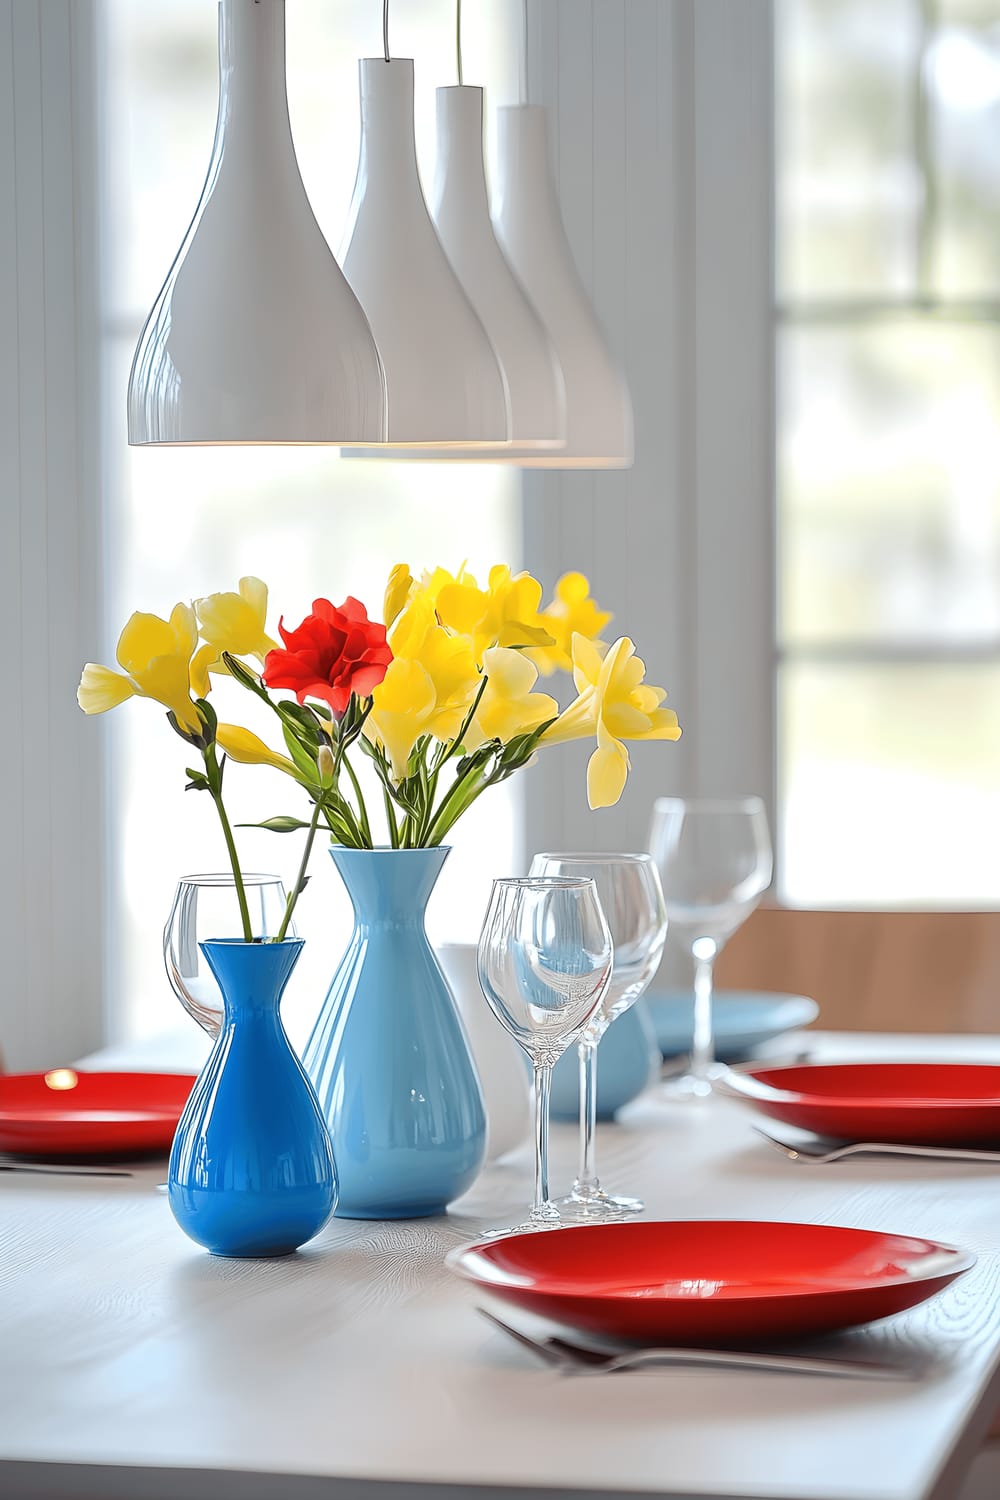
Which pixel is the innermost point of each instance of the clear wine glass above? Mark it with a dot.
(628, 888)
(205, 906)
(714, 859)
(545, 961)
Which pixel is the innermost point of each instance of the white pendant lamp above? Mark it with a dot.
(462, 215)
(461, 212)
(530, 230)
(444, 384)
(255, 337)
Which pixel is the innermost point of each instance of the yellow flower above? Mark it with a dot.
(572, 612)
(233, 623)
(397, 591)
(504, 614)
(458, 600)
(429, 685)
(155, 657)
(242, 745)
(512, 617)
(508, 706)
(402, 706)
(617, 704)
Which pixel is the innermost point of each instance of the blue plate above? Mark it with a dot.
(742, 1019)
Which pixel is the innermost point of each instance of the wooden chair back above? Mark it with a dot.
(875, 970)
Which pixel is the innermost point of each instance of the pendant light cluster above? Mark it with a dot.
(451, 337)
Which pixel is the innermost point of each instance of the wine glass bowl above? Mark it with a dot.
(205, 906)
(628, 888)
(543, 984)
(545, 961)
(715, 863)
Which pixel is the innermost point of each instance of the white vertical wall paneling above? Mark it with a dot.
(50, 911)
(734, 382)
(12, 888)
(673, 237)
(658, 575)
(573, 127)
(604, 71)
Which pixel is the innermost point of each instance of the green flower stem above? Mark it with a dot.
(212, 768)
(300, 878)
(460, 797)
(390, 818)
(362, 810)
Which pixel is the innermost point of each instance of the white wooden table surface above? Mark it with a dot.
(133, 1364)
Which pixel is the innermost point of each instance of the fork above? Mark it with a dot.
(569, 1356)
(818, 1154)
(45, 1169)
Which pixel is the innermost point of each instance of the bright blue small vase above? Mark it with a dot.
(388, 1054)
(628, 1060)
(251, 1170)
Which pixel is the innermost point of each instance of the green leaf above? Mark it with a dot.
(210, 717)
(300, 719)
(342, 831)
(198, 740)
(304, 762)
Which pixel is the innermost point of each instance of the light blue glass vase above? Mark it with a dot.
(628, 1061)
(388, 1054)
(251, 1170)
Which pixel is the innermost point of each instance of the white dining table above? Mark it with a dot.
(133, 1364)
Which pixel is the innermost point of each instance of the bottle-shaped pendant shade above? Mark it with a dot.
(444, 383)
(530, 229)
(256, 336)
(461, 213)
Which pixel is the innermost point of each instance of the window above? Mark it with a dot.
(184, 522)
(888, 329)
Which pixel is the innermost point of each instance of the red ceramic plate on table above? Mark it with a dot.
(913, 1104)
(65, 1113)
(710, 1281)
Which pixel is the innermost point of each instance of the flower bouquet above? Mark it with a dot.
(443, 702)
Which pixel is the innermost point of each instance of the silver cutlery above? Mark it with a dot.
(817, 1154)
(569, 1356)
(45, 1169)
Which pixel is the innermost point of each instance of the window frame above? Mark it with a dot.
(52, 770)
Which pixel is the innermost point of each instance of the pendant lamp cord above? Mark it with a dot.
(522, 71)
(385, 29)
(458, 39)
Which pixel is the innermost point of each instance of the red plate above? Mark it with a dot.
(711, 1281)
(66, 1113)
(917, 1104)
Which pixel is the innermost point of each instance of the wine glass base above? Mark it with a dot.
(689, 1086)
(597, 1208)
(530, 1226)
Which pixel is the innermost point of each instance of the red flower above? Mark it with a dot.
(334, 653)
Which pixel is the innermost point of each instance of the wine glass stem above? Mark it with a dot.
(703, 1046)
(543, 1084)
(586, 1184)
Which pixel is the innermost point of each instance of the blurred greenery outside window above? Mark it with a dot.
(184, 522)
(888, 451)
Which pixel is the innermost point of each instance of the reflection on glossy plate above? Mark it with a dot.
(742, 1019)
(913, 1104)
(68, 1113)
(711, 1281)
